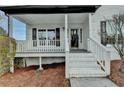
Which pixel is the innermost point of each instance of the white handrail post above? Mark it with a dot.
(108, 63)
(89, 45)
(66, 46)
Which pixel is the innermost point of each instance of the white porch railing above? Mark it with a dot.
(40, 46)
(20, 47)
(47, 42)
(101, 53)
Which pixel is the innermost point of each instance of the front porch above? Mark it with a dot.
(62, 35)
(54, 33)
(65, 37)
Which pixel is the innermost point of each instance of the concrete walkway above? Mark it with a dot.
(91, 82)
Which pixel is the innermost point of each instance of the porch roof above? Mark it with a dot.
(49, 9)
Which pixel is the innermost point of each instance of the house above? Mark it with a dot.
(70, 34)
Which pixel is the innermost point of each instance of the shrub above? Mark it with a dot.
(7, 52)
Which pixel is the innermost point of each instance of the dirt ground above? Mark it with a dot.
(117, 76)
(52, 76)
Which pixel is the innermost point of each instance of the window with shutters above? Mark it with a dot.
(34, 37)
(106, 36)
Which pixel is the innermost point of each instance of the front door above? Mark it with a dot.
(74, 38)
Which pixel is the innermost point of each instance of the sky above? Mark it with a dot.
(19, 28)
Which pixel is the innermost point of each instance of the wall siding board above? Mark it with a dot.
(54, 26)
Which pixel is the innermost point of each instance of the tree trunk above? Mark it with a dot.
(122, 65)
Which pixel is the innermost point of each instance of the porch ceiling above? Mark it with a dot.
(50, 18)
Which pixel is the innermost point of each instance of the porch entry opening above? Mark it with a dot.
(47, 37)
(74, 38)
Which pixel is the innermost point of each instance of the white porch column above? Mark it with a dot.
(66, 47)
(40, 63)
(90, 25)
(24, 62)
(66, 33)
(10, 34)
(10, 26)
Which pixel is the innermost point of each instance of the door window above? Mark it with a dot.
(80, 35)
(74, 38)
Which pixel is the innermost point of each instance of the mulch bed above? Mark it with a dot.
(116, 76)
(53, 75)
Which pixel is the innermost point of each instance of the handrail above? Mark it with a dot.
(101, 53)
(102, 46)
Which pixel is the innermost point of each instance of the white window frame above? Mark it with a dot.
(46, 41)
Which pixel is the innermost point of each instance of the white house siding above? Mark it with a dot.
(45, 26)
(114, 53)
(28, 32)
(35, 61)
(100, 15)
(62, 33)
